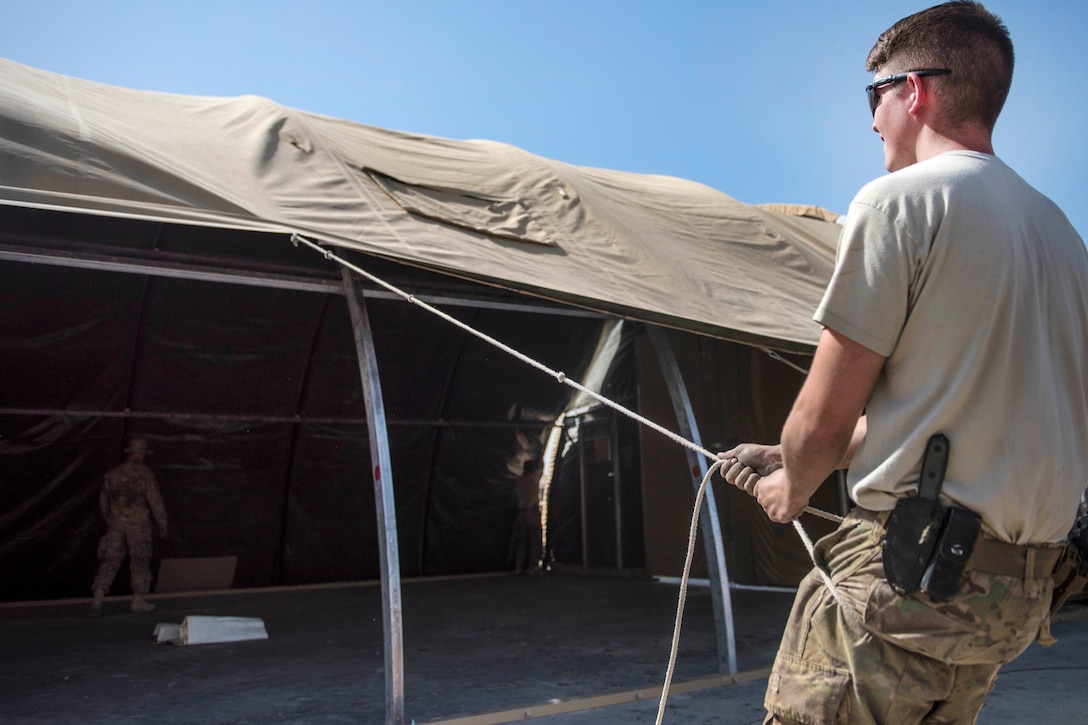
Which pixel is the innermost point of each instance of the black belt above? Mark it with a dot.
(993, 556)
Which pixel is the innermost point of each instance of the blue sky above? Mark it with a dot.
(761, 100)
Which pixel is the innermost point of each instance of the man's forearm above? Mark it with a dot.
(809, 457)
(808, 465)
(825, 425)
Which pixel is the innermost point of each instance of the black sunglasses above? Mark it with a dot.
(874, 97)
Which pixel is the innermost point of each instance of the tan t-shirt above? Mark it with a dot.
(975, 287)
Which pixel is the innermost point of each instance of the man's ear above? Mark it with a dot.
(919, 94)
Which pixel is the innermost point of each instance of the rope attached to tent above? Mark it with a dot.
(297, 239)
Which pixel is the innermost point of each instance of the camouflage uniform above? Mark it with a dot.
(128, 500)
(527, 528)
(915, 660)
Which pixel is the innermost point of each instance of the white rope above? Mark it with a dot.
(818, 565)
(682, 599)
(562, 378)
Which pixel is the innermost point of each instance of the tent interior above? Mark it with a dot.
(251, 399)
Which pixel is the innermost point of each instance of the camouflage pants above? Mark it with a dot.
(527, 536)
(133, 538)
(915, 660)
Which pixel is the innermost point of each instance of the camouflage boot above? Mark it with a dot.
(96, 603)
(139, 604)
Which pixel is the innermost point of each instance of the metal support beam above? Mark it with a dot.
(388, 550)
(617, 488)
(214, 271)
(582, 489)
(708, 514)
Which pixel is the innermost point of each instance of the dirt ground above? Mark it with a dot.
(471, 646)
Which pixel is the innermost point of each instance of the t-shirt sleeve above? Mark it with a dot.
(867, 299)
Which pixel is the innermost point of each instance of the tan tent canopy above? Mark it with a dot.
(651, 248)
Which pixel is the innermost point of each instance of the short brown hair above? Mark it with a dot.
(961, 35)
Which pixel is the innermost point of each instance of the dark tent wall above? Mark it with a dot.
(251, 399)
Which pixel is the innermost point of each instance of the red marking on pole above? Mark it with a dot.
(377, 473)
(695, 472)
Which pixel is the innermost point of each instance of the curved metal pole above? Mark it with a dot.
(388, 549)
(708, 515)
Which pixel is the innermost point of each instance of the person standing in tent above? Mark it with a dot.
(950, 380)
(527, 529)
(128, 500)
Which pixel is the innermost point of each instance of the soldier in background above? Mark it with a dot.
(527, 529)
(128, 500)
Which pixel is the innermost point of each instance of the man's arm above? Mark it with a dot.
(825, 425)
(154, 502)
(104, 504)
(756, 460)
(860, 429)
(822, 433)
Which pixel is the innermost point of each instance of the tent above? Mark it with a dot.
(150, 287)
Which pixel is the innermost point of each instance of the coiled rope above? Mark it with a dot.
(297, 239)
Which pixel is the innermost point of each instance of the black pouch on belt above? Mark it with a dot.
(959, 532)
(914, 526)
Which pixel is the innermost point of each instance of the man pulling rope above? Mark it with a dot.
(954, 320)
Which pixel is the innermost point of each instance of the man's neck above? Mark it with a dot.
(932, 143)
